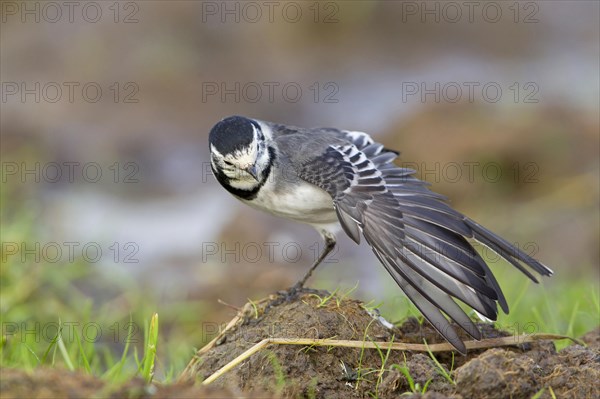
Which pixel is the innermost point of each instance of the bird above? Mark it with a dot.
(330, 178)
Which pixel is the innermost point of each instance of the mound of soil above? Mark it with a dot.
(340, 372)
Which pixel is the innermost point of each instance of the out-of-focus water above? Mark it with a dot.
(177, 205)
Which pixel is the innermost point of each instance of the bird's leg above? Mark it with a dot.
(329, 245)
(292, 293)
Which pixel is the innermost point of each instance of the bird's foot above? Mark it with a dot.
(291, 294)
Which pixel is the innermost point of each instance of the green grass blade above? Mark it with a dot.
(406, 373)
(539, 393)
(86, 363)
(33, 353)
(51, 347)
(150, 355)
(63, 350)
(440, 368)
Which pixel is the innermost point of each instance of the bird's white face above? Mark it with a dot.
(235, 165)
(245, 165)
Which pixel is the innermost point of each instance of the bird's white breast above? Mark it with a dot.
(303, 203)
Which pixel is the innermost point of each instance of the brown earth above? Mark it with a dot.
(519, 371)
(51, 383)
(335, 372)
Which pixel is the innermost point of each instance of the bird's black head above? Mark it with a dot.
(234, 133)
(239, 152)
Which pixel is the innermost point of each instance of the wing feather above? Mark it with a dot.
(420, 240)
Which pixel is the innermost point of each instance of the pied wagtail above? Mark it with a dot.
(327, 177)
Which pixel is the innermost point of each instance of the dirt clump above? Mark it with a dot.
(592, 339)
(498, 374)
(303, 371)
(341, 372)
(574, 373)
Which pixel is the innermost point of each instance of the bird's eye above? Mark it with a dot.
(227, 163)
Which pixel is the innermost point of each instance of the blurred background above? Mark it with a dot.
(109, 208)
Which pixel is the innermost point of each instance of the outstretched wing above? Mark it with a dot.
(419, 239)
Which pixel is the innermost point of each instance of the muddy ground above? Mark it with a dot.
(336, 372)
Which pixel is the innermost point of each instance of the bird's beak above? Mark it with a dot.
(253, 171)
